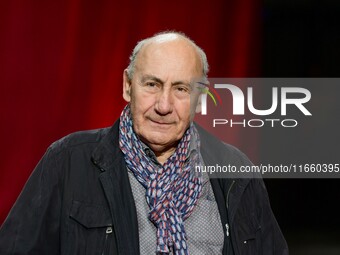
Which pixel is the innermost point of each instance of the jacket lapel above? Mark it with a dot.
(115, 182)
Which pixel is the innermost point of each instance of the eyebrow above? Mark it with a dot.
(151, 77)
(156, 79)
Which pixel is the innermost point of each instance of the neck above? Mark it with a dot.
(162, 152)
(163, 156)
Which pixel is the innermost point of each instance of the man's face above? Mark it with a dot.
(161, 94)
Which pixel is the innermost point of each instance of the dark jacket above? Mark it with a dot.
(78, 200)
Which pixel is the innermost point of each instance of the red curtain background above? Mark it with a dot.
(61, 65)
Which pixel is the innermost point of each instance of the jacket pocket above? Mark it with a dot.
(248, 236)
(90, 229)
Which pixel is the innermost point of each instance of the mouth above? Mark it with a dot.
(162, 122)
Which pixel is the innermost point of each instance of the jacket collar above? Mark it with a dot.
(107, 152)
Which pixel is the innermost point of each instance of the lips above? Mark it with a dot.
(161, 122)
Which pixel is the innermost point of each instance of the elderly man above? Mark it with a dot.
(131, 188)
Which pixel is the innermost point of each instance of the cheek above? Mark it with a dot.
(139, 102)
(139, 110)
(137, 115)
(142, 100)
(184, 112)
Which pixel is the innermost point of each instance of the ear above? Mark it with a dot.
(126, 86)
(199, 104)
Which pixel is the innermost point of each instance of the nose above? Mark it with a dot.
(164, 103)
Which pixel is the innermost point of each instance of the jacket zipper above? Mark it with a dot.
(106, 243)
(227, 227)
(227, 204)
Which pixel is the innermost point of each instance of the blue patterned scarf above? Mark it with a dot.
(172, 190)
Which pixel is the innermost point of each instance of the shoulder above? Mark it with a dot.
(80, 139)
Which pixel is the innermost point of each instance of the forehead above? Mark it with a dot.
(169, 58)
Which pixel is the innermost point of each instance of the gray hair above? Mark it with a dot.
(164, 35)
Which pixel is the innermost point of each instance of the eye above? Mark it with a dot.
(151, 84)
(183, 89)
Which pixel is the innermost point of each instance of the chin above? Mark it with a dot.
(157, 139)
